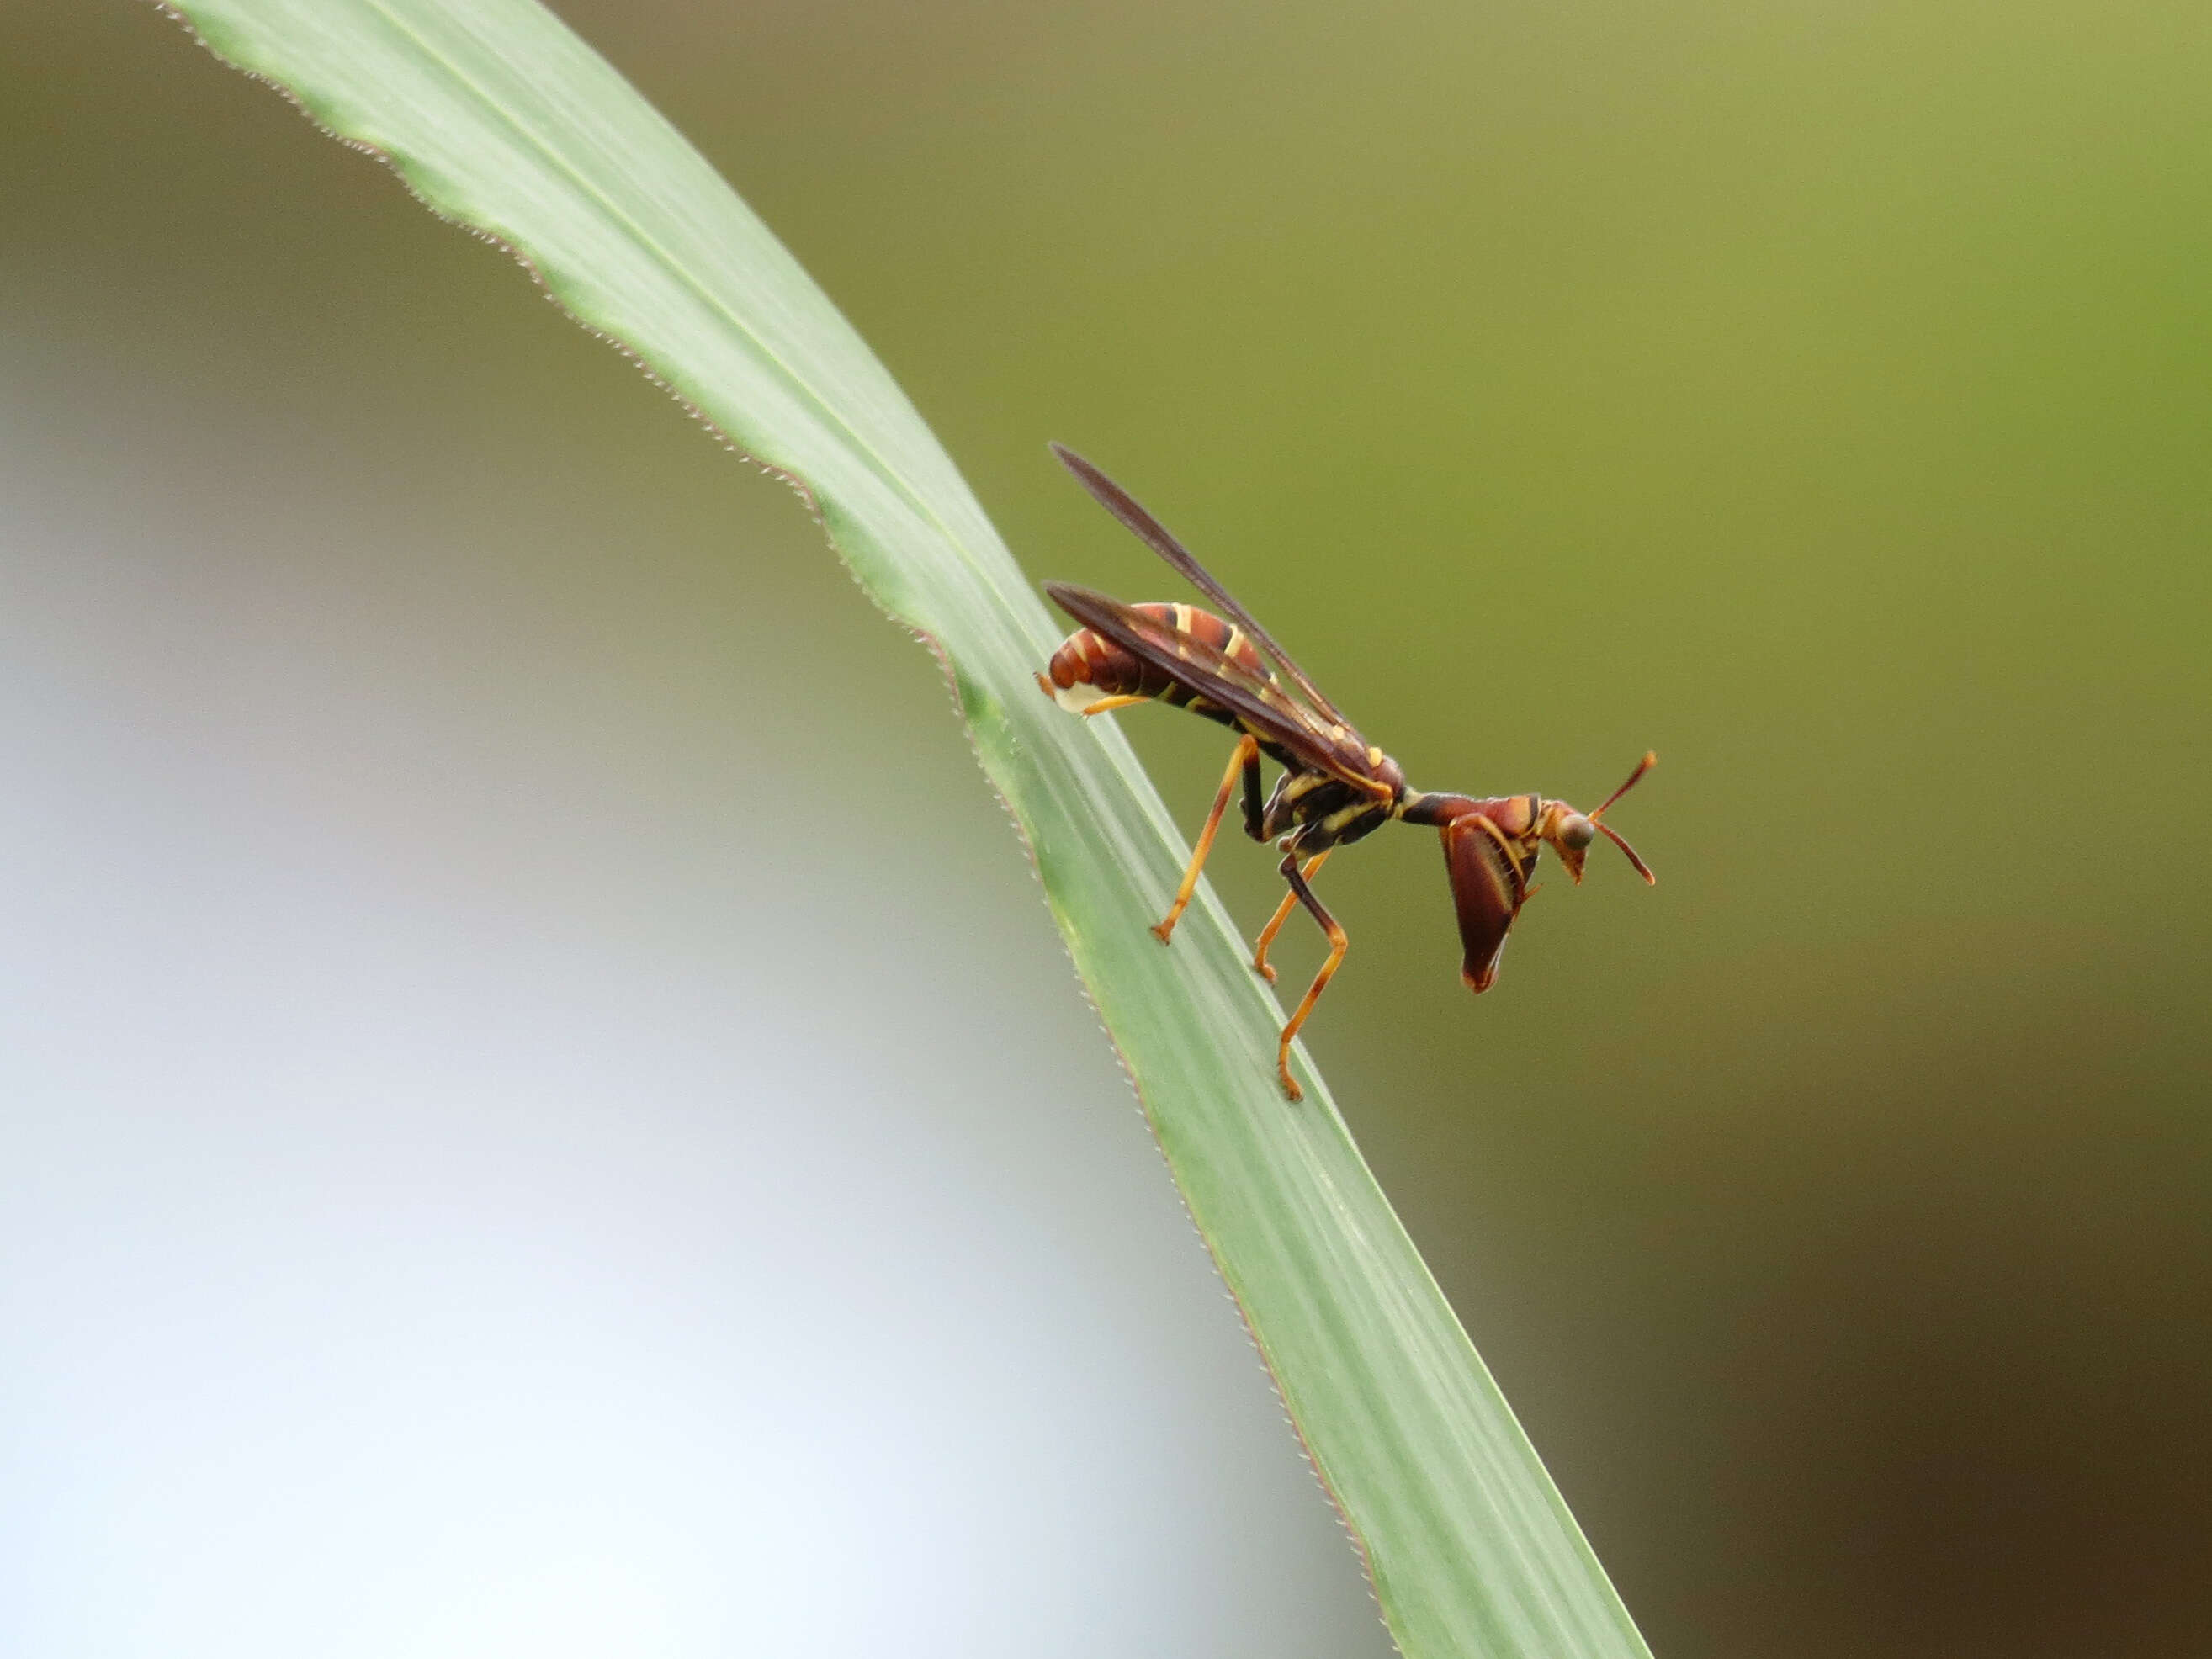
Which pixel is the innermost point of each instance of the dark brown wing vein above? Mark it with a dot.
(1257, 705)
(1154, 534)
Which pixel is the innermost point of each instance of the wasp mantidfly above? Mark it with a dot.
(1336, 786)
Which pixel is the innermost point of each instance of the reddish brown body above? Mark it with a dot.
(1089, 667)
(1336, 787)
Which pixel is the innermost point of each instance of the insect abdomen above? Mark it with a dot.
(1089, 667)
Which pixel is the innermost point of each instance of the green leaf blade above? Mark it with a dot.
(499, 118)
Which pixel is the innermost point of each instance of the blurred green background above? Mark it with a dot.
(1816, 395)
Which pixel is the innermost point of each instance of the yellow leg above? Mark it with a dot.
(1247, 751)
(1267, 939)
(1337, 943)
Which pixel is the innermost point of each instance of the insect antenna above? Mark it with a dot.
(1650, 759)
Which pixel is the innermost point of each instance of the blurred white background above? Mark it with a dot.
(544, 1113)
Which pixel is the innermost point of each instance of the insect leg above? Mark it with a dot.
(1255, 807)
(1247, 755)
(1337, 942)
(1260, 963)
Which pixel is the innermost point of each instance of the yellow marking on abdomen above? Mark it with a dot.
(1075, 698)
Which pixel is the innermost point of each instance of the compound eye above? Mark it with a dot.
(1576, 832)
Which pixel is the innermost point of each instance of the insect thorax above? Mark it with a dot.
(1324, 812)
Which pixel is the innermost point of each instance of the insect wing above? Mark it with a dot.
(1154, 534)
(1259, 705)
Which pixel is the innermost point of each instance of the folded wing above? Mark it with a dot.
(1261, 706)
